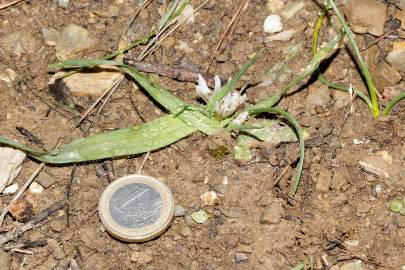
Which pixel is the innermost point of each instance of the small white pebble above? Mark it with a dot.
(36, 188)
(63, 3)
(11, 189)
(225, 181)
(209, 198)
(272, 24)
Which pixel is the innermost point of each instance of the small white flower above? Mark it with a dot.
(228, 105)
(241, 118)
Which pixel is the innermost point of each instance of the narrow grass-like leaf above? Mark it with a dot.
(166, 18)
(133, 44)
(299, 266)
(169, 101)
(77, 63)
(300, 135)
(229, 86)
(313, 65)
(20, 146)
(363, 67)
(321, 78)
(136, 43)
(391, 104)
(123, 142)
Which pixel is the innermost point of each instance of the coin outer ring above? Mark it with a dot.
(137, 234)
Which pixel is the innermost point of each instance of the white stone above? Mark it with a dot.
(283, 36)
(63, 3)
(10, 165)
(378, 163)
(273, 24)
(36, 188)
(11, 189)
(209, 198)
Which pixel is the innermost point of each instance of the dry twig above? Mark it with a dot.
(10, 235)
(227, 31)
(9, 3)
(175, 72)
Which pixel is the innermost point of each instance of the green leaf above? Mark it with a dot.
(300, 134)
(270, 133)
(363, 67)
(394, 101)
(299, 266)
(229, 86)
(123, 142)
(396, 205)
(321, 78)
(313, 65)
(162, 96)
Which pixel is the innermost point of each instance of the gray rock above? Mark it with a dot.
(318, 95)
(241, 257)
(186, 232)
(179, 211)
(57, 224)
(220, 188)
(366, 16)
(272, 214)
(376, 190)
(10, 165)
(45, 180)
(145, 256)
(5, 260)
(19, 41)
(396, 59)
(71, 39)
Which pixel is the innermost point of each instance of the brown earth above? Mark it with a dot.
(336, 202)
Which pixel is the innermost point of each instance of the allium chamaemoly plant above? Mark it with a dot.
(372, 101)
(182, 120)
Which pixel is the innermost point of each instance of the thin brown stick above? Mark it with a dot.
(378, 39)
(140, 167)
(174, 72)
(10, 235)
(242, 4)
(158, 42)
(9, 3)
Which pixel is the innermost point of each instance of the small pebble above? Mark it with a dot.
(376, 190)
(11, 189)
(186, 232)
(241, 257)
(145, 257)
(179, 211)
(36, 188)
(272, 24)
(63, 3)
(272, 214)
(134, 256)
(283, 36)
(45, 180)
(209, 198)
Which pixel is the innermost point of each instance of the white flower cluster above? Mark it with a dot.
(228, 105)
